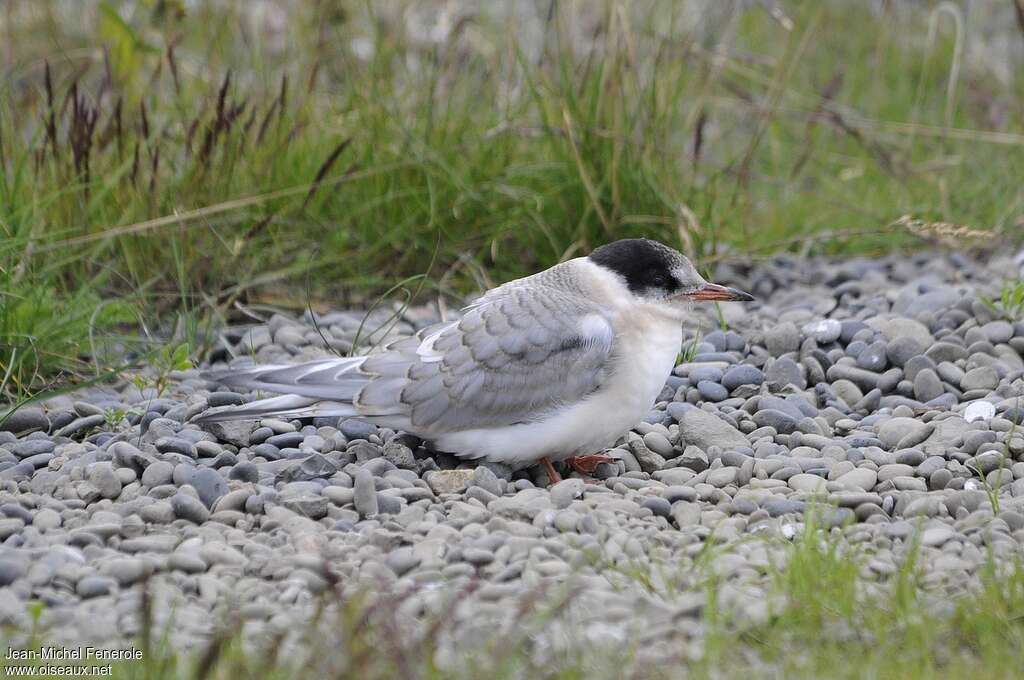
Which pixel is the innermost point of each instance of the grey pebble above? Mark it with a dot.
(95, 586)
(176, 445)
(694, 459)
(356, 429)
(187, 561)
(704, 430)
(711, 391)
(776, 507)
(189, 508)
(477, 556)
(10, 526)
(315, 466)
(998, 331)
(399, 455)
(102, 476)
(902, 349)
(782, 338)
(742, 374)
(565, 492)
(157, 473)
(679, 493)
(209, 485)
(402, 560)
(705, 373)
(388, 505)
(660, 506)
(365, 497)
(80, 425)
(32, 447)
(46, 519)
(780, 421)
(244, 472)
(285, 440)
(11, 570)
(24, 420)
(784, 371)
(927, 385)
(484, 478)
(310, 506)
(127, 570)
(722, 476)
(873, 357)
(980, 378)
(659, 443)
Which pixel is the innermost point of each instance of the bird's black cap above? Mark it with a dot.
(644, 264)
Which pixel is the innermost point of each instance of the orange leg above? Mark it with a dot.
(553, 476)
(587, 464)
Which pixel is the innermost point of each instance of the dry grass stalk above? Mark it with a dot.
(943, 232)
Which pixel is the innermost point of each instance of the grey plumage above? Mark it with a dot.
(521, 350)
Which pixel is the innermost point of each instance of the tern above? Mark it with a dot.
(550, 367)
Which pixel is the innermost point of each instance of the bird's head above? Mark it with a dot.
(657, 274)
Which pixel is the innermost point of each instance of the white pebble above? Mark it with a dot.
(979, 410)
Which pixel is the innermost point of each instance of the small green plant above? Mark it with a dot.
(1010, 303)
(35, 612)
(115, 417)
(1005, 458)
(690, 348)
(991, 491)
(723, 325)
(112, 417)
(164, 362)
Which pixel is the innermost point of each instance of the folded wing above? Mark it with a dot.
(514, 356)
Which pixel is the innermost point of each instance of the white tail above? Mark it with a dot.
(321, 388)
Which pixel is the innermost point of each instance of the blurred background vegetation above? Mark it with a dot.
(163, 162)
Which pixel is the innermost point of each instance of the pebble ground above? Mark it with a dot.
(883, 390)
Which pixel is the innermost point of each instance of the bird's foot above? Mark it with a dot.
(553, 476)
(586, 465)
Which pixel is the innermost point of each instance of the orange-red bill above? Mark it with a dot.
(713, 291)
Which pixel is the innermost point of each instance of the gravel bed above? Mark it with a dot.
(882, 388)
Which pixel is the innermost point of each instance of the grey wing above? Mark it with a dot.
(515, 355)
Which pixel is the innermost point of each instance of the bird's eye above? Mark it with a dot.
(659, 280)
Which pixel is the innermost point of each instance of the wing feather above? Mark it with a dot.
(517, 353)
(512, 359)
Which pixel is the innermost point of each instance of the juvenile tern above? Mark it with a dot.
(549, 367)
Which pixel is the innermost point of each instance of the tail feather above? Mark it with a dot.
(286, 406)
(333, 379)
(321, 388)
(342, 391)
(317, 372)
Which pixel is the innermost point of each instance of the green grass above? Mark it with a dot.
(178, 161)
(827, 616)
(834, 621)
